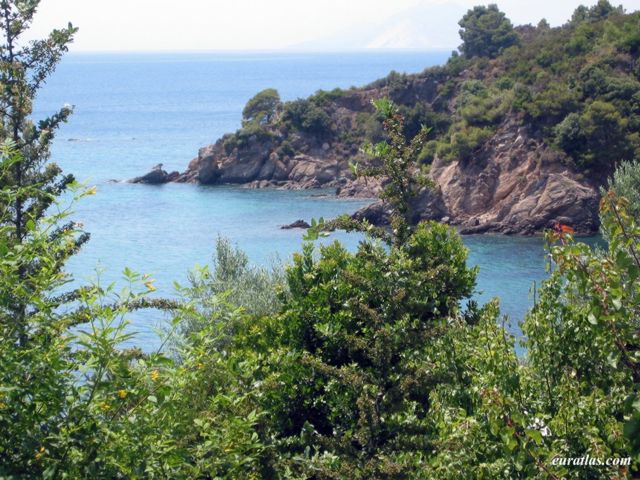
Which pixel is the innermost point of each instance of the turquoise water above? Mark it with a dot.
(134, 111)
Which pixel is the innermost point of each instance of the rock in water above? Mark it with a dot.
(296, 224)
(157, 176)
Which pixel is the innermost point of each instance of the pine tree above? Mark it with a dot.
(35, 182)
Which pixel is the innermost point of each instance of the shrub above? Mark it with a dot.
(625, 182)
(307, 116)
(605, 132)
(421, 114)
(251, 132)
(465, 141)
(552, 103)
(574, 394)
(361, 330)
(287, 149)
(324, 97)
(480, 106)
(233, 282)
(369, 126)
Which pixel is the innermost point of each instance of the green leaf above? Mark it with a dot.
(535, 435)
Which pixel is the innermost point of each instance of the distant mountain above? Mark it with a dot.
(424, 27)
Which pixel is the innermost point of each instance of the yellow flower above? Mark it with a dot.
(155, 375)
(104, 406)
(40, 453)
(150, 286)
(122, 393)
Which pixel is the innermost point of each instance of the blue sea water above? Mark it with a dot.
(133, 111)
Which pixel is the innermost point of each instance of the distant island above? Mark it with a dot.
(527, 124)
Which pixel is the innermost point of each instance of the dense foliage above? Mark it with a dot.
(576, 86)
(486, 31)
(625, 182)
(372, 364)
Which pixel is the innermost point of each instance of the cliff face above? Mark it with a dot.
(514, 183)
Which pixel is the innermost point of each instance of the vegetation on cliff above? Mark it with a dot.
(373, 364)
(565, 100)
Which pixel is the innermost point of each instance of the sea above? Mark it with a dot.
(133, 111)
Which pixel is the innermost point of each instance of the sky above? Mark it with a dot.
(204, 25)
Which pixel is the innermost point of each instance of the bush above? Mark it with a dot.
(597, 138)
(552, 103)
(625, 182)
(248, 133)
(575, 392)
(480, 106)
(369, 127)
(307, 116)
(233, 282)
(421, 114)
(324, 97)
(360, 328)
(287, 149)
(465, 141)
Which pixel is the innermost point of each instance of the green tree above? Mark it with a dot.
(599, 11)
(575, 392)
(625, 182)
(396, 163)
(485, 32)
(359, 342)
(597, 138)
(23, 70)
(261, 108)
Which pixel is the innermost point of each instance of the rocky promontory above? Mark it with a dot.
(518, 142)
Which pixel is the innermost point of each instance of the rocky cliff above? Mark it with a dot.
(518, 142)
(514, 183)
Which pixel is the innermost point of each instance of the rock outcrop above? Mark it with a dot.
(297, 224)
(156, 176)
(514, 183)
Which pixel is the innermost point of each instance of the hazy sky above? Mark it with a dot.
(113, 25)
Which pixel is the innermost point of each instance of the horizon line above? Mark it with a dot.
(266, 51)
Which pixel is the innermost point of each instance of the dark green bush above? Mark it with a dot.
(596, 138)
(307, 116)
(465, 141)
